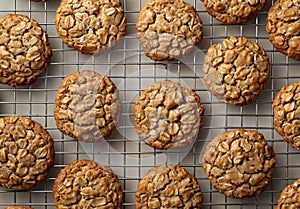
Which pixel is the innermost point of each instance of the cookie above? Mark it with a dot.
(87, 106)
(236, 70)
(234, 12)
(283, 25)
(18, 207)
(287, 113)
(90, 26)
(26, 153)
(239, 163)
(290, 197)
(168, 29)
(168, 115)
(168, 186)
(85, 184)
(25, 51)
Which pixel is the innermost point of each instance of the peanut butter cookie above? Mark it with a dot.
(234, 11)
(26, 153)
(85, 184)
(290, 197)
(168, 187)
(283, 25)
(168, 115)
(236, 70)
(87, 106)
(287, 113)
(90, 26)
(239, 163)
(168, 29)
(25, 51)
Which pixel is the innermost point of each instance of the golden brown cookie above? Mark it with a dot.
(287, 113)
(85, 184)
(290, 197)
(168, 115)
(90, 26)
(87, 106)
(168, 187)
(239, 163)
(168, 29)
(236, 70)
(25, 51)
(234, 11)
(283, 25)
(18, 207)
(26, 153)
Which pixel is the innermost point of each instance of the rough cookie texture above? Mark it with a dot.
(85, 184)
(283, 25)
(90, 26)
(168, 187)
(18, 207)
(239, 163)
(26, 153)
(290, 197)
(236, 70)
(168, 29)
(286, 107)
(234, 11)
(87, 106)
(25, 51)
(168, 115)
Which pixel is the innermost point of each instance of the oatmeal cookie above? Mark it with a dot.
(236, 70)
(168, 29)
(168, 115)
(239, 163)
(25, 51)
(90, 26)
(283, 25)
(87, 106)
(168, 187)
(286, 106)
(290, 197)
(234, 11)
(26, 153)
(85, 184)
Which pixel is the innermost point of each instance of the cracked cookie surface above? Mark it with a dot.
(286, 106)
(90, 26)
(87, 106)
(234, 11)
(290, 197)
(283, 25)
(168, 29)
(18, 207)
(25, 51)
(26, 153)
(85, 184)
(168, 115)
(239, 163)
(168, 187)
(236, 70)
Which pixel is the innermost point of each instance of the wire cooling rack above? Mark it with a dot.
(132, 72)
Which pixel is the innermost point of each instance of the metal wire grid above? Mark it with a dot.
(132, 72)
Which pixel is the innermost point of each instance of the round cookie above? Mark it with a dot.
(168, 115)
(168, 186)
(26, 153)
(25, 51)
(87, 106)
(90, 26)
(18, 207)
(239, 163)
(168, 29)
(84, 183)
(234, 12)
(290, 197)
(283, 25)
(287, 113)
(236, 70)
